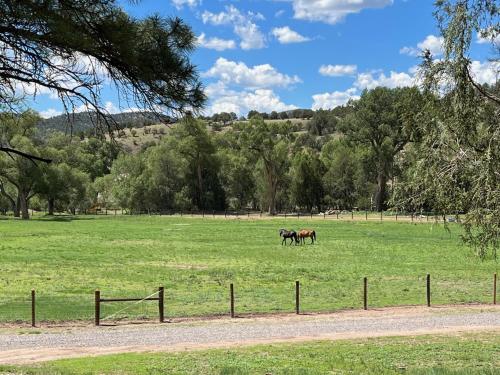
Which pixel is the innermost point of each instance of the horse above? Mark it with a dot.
(303, 233)
(288, 234)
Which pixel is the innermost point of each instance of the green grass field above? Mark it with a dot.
(65, 259)
(430, 355)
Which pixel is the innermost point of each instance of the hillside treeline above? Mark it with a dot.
(363, 155)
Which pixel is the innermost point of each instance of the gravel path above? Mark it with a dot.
(26, 348)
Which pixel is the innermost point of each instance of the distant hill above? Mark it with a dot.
(85, 122)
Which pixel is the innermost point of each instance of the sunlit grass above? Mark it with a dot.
(66, 259)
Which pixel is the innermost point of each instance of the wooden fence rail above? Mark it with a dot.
(161, 299)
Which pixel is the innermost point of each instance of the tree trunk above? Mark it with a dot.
(17, 207)
(51, 206)
(381, 189)
(23, 197)
(200, 186)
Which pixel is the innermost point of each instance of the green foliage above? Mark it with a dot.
(384, 120)
(306, 182)
(457, 168)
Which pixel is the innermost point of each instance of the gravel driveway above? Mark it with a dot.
(50, 344)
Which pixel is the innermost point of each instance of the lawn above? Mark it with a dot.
(65, 259)
(430, 355)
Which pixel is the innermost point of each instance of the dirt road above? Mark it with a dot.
(55, 343)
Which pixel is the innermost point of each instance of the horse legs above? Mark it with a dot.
(284, 240)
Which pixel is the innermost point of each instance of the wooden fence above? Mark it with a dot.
(232, 299)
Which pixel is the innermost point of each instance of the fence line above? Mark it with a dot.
(232, 300)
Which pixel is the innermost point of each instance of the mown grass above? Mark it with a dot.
(65, 259)
(431, 355)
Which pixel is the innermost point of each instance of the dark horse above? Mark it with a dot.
(303, 233)
(288, 234)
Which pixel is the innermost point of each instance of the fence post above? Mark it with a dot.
(352, 215)
(260, 213)
(248, 214)
(324, 215)
(495, 289)
(213, 213)
(366, 215)
(337, 213)
(203, 214)
(161, 306)
(396, 215)
(225, 213)
(297, 297)
(231, 295)
(311, 214)
(32, 307)
(428, 290)
(97, 306)
(381, 213)
(365, 293)
(298, 215)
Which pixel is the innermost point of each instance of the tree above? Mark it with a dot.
(322, 122)
(461, 144)
(269, 142)
(306, 185)
(191, 140)
(71, 47)
(384, 120)
(342, 170)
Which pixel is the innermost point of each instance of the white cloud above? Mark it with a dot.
(241, 102)
(486, 72)
(432, 43)
(51, 112)
(216, 43)
(338, 70)
(249, 33)
(333, 11)
(259, 76)
(329, 100)
(395, 79)
(285, 35)
(279, 13)
(191, 3)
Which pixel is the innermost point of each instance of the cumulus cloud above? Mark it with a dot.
(486, 72)
(285, 35)
(431, 43)
(338, 70)
(249, 33)
(259, 76)
(329, 100)
(333, 11)
(223, 99)
(191, 3)
(216, 43)
(394, 79)
(51, 112)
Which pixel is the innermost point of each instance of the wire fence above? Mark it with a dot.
(354, 215)
(278, 297)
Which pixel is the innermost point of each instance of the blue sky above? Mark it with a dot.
(282, 54)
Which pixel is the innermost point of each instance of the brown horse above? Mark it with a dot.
(303, 233)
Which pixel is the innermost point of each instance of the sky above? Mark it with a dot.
(278, 55)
